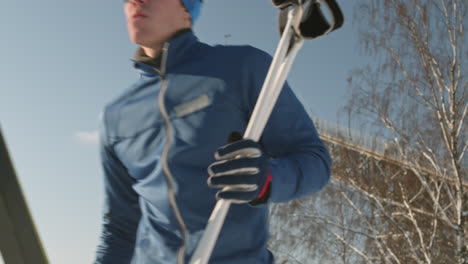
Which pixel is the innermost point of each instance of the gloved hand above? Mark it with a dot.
(242, 167)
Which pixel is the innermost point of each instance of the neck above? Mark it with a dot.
(153, 51)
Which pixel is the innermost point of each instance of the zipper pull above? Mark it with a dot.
(164, 59)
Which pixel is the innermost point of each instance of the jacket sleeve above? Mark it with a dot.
(121, 208)
(300, 163)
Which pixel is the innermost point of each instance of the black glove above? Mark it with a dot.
(243, 168)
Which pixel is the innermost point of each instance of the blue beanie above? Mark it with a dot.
(194, 8)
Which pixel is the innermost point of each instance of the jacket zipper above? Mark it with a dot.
(167, 172)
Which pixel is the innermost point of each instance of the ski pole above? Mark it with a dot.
(271, 89)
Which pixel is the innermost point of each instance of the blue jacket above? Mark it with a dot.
(211, 91)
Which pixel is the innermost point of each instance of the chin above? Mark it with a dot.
(138, 38)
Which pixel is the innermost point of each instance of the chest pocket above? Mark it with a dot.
(204, 114)
(192, 106)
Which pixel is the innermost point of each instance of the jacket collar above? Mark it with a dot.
(178, 49)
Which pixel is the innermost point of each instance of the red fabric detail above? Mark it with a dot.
(265, 187)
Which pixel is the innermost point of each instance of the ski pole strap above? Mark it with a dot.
(285, 3)
(314, 24)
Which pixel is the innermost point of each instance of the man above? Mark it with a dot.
(160, 146)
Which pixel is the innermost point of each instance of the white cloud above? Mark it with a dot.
(87, 137)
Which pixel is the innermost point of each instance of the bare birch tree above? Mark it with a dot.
(407, 203)
(415, 93)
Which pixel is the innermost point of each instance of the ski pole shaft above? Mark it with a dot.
(270, 91)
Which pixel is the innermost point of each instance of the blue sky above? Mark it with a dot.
(63, 60)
